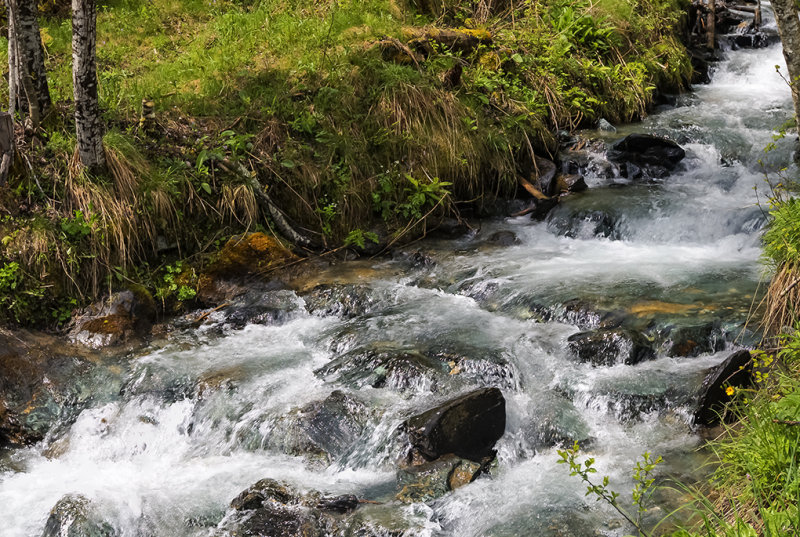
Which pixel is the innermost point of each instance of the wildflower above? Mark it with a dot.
(730, 390)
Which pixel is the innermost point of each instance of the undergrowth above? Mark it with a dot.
(352, 144)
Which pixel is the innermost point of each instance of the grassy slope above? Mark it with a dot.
(346, 142)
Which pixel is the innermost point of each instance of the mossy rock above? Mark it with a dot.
(252, 253)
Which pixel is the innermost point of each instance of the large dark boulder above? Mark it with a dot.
(736, 371)
(655, 156)
(75, 516)
(467, 426)
(609, 346)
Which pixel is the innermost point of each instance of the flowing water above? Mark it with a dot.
(176, 432)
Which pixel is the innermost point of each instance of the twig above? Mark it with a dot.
(204, 316)
(786, 422)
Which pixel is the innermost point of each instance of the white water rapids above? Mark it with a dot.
(165, 458)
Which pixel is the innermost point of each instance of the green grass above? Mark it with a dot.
(299, 92)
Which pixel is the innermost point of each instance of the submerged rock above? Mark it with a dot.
(467, 426)
(344, 300)
(695, 340)
(75, 516)
(423, 368)
(504, 238)
(433, 479)
(556, 422)
(654, 155)
(326, 429)
(736, 371)
(382, 365)
(609, 346)
(39, 385)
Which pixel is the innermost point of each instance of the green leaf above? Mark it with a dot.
(206, 187)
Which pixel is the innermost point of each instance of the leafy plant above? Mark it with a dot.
(359, 238)
(640, 495)
(174, 283)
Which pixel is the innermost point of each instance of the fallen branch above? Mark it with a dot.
(204, 316)
(261, 194)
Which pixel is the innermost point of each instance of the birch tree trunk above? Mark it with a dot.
(88, 126)
(27, 82)
(31, 52)
(13, 64)
(786, 15)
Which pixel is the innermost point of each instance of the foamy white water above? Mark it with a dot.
(197, 421)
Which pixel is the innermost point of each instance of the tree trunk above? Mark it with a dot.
(6, 146)
(711, 26)
(13, 65)
(30, 39)
(88, 124)
(27, 77)
(786, 16)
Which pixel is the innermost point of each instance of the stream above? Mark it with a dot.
(174, 433)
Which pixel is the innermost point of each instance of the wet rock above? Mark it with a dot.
(261, 306)
(467, 426)
(569, 183)
(736, 371)
(556, 422)
(383, 365)
(748, 40)
(431, 480)
(545, 174)
(493, 207)
(272, 508)
(75, 516)
(336, 423)
(538, 209)
(476, 364)
(114, 320)
(263, 491)
(327, 428)
(39, 385)
(272, 520)
(504, 238)
(450, 228)
(344, 300)
(654, 155)
(609, 346)
(586, 224)
(695, 340)
(604, 125)
(701, 67)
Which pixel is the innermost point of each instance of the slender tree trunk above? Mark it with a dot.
(88, 124)
(28, 90)
(30, 43)
(786, 15)
(6, 146)
(13, 64)
(711, 26)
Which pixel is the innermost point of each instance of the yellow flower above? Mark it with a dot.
(730, 390)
